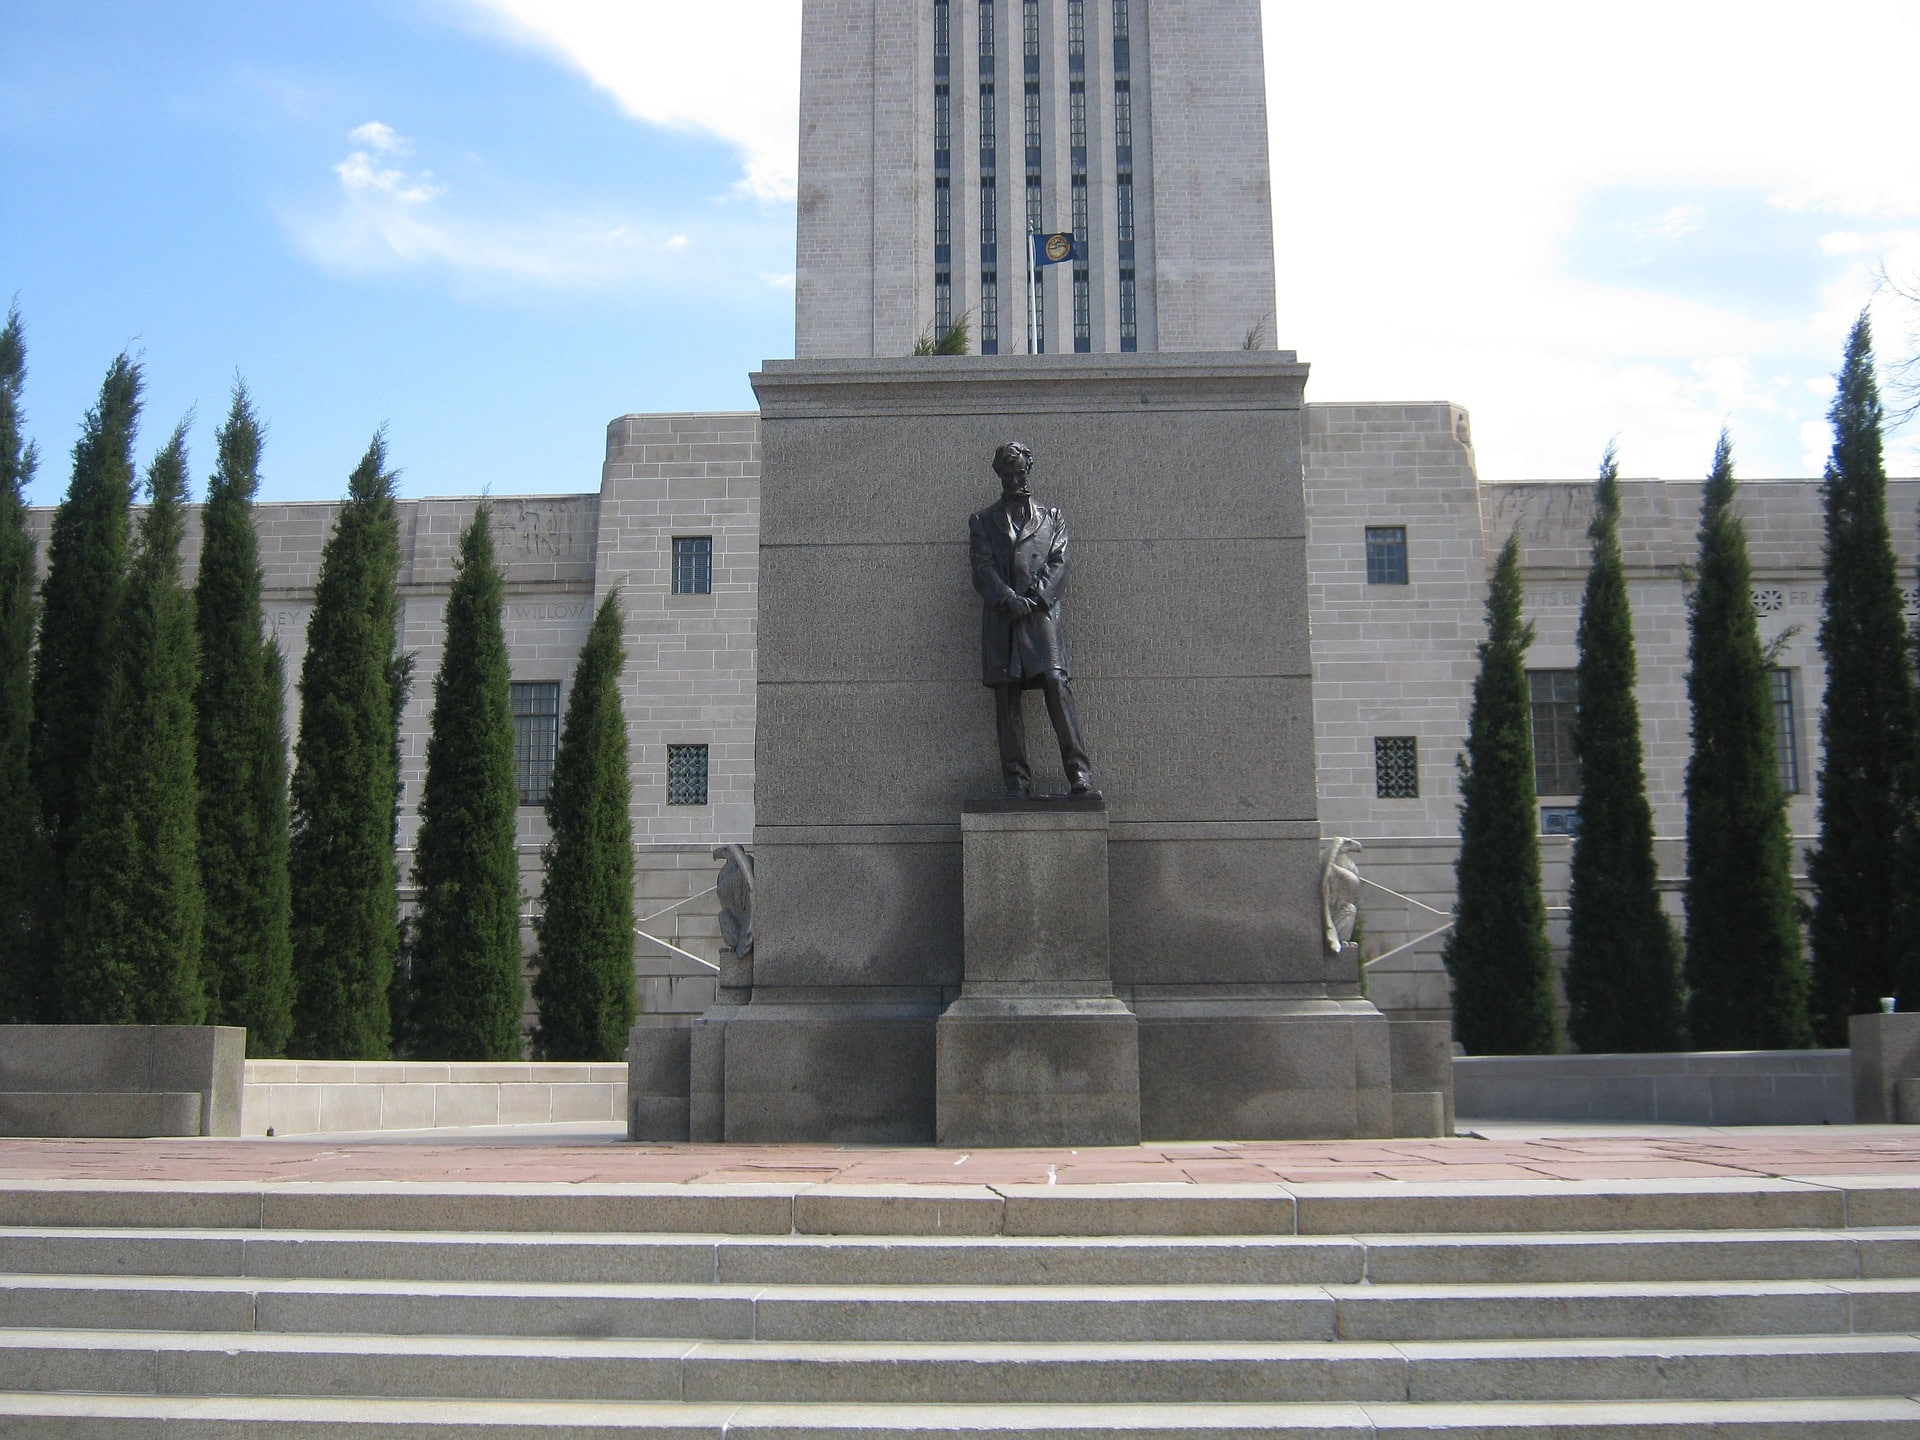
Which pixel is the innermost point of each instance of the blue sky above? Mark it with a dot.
(495, 225)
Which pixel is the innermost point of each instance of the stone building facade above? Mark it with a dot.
(1394, 657)
(937, 135)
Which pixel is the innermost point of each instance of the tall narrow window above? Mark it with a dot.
(1030, 96)
(1077, 176)
(693, 564)
(1386, 554)
(1785, 686)
(1555, 698)
(686, 774)
(942, 171)
(1123, 178)
(536, 736)
(989, 325)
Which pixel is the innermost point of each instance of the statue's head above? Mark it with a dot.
(1012, 462)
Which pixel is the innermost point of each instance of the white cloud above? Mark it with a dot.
(729, 69)
(387, 218)
(1430, 194)
(380, 138)
(1675, 223)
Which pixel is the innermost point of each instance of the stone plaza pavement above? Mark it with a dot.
(1494, 1154)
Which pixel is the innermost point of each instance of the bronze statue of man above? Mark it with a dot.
(1018, 549)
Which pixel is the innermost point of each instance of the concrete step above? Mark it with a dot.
(991, 1260)
(167, 1363)
(822, 1313)
(1330, 1209)
(113, 1417)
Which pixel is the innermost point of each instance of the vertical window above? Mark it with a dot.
(693, 564)
(1386, 554)
(536, 736)
(1785, 686)
(1555, 698)
(1396, 767)
(942, 171)
(1123, 180)
(1077, 183)
(989, 189)
(686, 774)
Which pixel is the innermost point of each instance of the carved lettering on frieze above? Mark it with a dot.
(542, 611)
(1537, 511)
(531, 530)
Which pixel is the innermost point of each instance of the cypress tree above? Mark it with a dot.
(1867, 720)
(79, 607)
(1498, 956)
(133, 890)
(345, 923)
(465, 991)
(1746, 982)
(20, 858)
(1623, 972)
(583, 986)
(247, 960)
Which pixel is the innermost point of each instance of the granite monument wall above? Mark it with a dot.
(1180, 477)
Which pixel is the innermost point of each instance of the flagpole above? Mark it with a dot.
(1032, 307)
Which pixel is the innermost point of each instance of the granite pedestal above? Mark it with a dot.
(1036, 1051)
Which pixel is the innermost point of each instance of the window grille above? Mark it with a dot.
(693, 564)
(1396, 767)
(1555, 700)
(686, 774)
(1386, 554)
(536, 736)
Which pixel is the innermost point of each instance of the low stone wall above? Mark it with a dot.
(1713, 1087)
(319, 1097)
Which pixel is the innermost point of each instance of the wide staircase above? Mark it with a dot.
(386, 1312)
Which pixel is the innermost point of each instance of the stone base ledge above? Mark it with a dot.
(1708, 1087)
(319, 1097)
(101, 1114)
